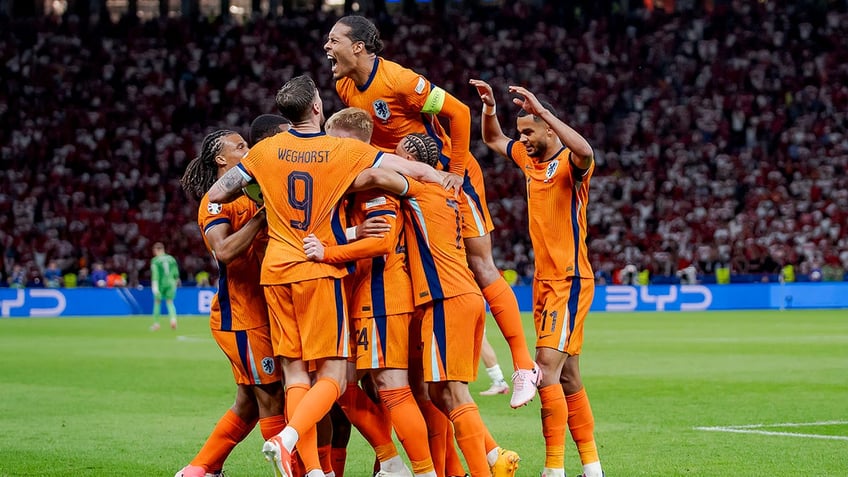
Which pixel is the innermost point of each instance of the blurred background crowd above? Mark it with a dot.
(719, 130)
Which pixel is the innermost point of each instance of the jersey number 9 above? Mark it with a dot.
(301, 199)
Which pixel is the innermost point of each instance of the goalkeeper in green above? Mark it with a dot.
(164, 279)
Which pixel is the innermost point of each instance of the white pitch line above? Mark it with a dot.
(771, 433)
(789, 424)
(192, 339)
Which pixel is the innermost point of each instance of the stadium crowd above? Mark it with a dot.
(721, 138)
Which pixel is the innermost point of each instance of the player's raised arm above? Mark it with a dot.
(458, 115)
(492, 133)
(229, 185)
(582, 154)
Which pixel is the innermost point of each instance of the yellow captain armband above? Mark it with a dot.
(435, 101)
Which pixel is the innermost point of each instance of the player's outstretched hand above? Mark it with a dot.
(313, 247)
(484, 90)
(529, 102)
(375, 227)
(452, 182)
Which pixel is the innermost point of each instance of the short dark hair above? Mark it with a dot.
(364, 30)
(266, 125)
(295, 97)
(546, 105)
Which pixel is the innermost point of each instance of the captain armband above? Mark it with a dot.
(435, 101)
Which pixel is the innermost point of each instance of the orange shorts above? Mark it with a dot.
(452, 332)
(309, 319)
(475, 212)
(559, 310)
(382, 342)
(251, 355)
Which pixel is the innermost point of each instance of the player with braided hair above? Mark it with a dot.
(452, 311)
(403, 102)
(422, 147)
(202, 171)
(234, 235)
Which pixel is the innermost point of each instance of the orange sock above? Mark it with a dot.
(409, 426)
(271, 426)
(470, 435)
(581, 423)
(294, 394)
(219, 464)
(437, 423)
(339, 457)
(490, 441)
(325, 456)
(504, 307)
(311, 408)
(229, 431)
(554, 417)
(374, 424)
(453, 466)
(298, 468)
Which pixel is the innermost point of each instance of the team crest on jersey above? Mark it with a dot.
(381, 109)
(551, 169)
(268, 365)
(214, 208)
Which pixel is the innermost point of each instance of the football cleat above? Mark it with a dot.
(191, 471)
(525, 382)
(154, 327)
(404, 472)
(276, 453)
(553, 473)
(506, 465)
(495, 389)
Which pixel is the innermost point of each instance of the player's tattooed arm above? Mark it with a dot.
(228, 187)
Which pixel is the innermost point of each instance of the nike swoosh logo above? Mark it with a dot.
(242, 212)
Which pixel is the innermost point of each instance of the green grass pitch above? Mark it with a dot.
(769, 390)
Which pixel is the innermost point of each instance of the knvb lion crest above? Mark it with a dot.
(381, 109)
(551, 169)
(268, 365)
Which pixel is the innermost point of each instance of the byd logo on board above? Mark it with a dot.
(643, 298)
(34, 302)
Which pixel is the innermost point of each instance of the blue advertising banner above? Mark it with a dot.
(753, 296)
(35, 302)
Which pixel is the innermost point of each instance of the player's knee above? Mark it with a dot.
(484, 270)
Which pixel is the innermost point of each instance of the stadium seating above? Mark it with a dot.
(719, 143)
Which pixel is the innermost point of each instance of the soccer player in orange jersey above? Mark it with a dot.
(558, 164)
(381, 305)
(303, 174)
(234, 235)
(453, 312)
(403, 102)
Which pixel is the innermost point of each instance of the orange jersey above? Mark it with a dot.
(395, 96)
(381, 284)
(303, 177)
(239, 303)
(556, 205)
(436, 254)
